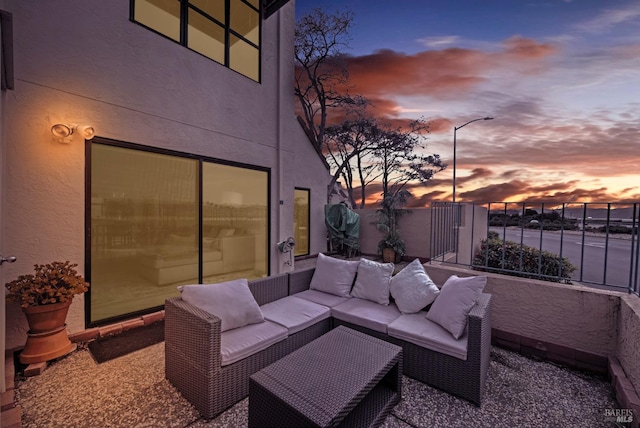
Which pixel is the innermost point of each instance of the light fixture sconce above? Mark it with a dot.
(65, 132)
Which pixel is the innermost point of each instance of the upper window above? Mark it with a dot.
(227, 31)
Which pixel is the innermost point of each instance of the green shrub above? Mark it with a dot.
(616, 228)
(513, 253)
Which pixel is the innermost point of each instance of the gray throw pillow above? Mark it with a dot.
(230, 301)
(372, 281)
(412, 289)
(334, 276)
(457, 297)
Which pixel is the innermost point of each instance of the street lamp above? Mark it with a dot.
(455, 129)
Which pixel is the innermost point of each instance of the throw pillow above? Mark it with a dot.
(412, 289)
(372, 281)
(230, 301)
(334, 276)
(456, 298)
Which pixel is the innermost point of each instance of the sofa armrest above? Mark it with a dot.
(480, 320)
(192, 353)
(191, 335)
(479, 334)
(482, 309)
(300, 280)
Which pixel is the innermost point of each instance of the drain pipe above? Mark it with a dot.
(279, 133)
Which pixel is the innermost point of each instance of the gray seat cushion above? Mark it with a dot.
(239, 343)
(321, 298)
(295, 313)
(417, 329)
(366, 313)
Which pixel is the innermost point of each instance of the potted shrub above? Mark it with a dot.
(391, 247)
(45, 297)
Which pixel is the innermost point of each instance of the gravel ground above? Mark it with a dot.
(131, 391)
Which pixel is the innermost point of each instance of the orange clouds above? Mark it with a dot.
(561, 130)
(519, 47)
(435, 73)
(439, 125)
(385, 76)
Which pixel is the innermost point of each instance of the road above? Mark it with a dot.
(603, 261)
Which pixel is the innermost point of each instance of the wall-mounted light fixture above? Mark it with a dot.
(65, 132)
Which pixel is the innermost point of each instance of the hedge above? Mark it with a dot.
(535, 264)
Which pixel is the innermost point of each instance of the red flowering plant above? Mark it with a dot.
(55, 282)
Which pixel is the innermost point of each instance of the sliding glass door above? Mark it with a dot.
(235, 221)
(162, 219)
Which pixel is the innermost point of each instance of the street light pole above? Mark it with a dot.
(455, 129)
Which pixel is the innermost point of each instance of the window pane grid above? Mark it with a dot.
(226, 31)
(212, 9)
(206, 37)
(245, 21)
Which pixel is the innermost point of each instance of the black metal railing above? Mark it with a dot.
(592, 243)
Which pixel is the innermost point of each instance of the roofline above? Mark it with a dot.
(307, 132)
(270, 7)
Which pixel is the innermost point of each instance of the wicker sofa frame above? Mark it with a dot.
(193, 358)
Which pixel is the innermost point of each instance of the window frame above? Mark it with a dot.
(186, 6)
(198, 181)
(304, 189)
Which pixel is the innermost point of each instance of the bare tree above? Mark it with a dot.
(351, 141)
(321, 77)
(363, 150)
(399, 159)
(360, 149)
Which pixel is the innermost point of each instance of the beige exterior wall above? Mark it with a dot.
(628, 350)
(569, 315)
(369, 236)
(318, 192)
(415, 230)
(473, 229)
(84, 62)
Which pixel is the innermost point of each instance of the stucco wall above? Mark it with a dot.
(569, 315)
(628, 350)
(473, 229)
(316, 179)
(84, 62)
(414, 230)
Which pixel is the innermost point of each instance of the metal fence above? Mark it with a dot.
(594, 244)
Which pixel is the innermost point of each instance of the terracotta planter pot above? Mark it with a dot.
(47, 337)
(390, 256)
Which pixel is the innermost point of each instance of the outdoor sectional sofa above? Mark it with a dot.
(210, 362)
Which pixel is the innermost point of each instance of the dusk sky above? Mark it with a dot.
(560, 77)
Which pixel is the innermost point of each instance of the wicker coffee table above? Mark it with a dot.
(343, 378)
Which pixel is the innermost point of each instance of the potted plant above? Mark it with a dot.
(391, 247)
(45, 297)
